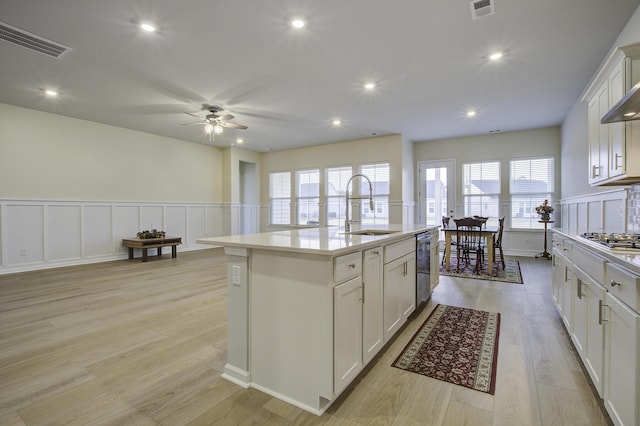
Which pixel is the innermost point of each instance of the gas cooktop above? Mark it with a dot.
(614, 241)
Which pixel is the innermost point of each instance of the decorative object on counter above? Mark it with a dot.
(154, 233)
(455, 345)
(509, 274)
(544, 210)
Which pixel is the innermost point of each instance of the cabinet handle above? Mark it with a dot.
(615, 162)
(600, 306)
(595, 171)
(352, 265)
(376, 252)
(579, 287)
(362, 289)
(615, 283)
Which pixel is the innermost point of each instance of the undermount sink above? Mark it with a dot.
(372, 232)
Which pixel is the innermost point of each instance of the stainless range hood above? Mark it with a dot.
(627, 109)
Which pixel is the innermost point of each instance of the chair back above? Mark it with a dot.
(498, 240)
(468, 233)
(482, 219)
(445, 221)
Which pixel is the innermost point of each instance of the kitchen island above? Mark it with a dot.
(309, 308)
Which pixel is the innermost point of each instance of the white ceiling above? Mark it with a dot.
(429, 60)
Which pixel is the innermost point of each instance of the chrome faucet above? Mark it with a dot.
(347, 222)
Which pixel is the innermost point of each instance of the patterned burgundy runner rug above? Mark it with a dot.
(455, 345)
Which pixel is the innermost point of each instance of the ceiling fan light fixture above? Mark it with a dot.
(218, 129)
(208, 128)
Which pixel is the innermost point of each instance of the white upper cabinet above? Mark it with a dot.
(613, 146)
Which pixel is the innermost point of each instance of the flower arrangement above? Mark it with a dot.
(544, 210)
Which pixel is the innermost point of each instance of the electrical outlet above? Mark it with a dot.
(235, 275)
(23, 252)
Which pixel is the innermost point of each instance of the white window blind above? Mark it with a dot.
(336, 184)
(531, 182)
(379, 174)
(481, 190)
(308, 196)
(280, 197)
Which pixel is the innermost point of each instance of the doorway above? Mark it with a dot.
(436, 191)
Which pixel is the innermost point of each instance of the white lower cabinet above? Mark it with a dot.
(372, 328)
(588, 331)
(399, 293)
(622, 358)
(347, 314)
(599, 302)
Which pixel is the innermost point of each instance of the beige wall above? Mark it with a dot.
(51, 157)
(351, 153)
(498, 147)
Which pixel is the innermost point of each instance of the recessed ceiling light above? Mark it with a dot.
(50, 92)
(336, 122)
(298, 23)
(471, 113)
(239, 140)
(495, 56)
(370, 86)
(146, 26)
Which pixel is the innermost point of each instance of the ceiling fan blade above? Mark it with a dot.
(189, 124)
(232, 125)
(226, 117)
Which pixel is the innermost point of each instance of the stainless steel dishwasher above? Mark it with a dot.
(423, 268)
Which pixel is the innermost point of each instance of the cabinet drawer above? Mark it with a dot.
(624, 285)
(347, 266)
(589, 262)
(399, 249)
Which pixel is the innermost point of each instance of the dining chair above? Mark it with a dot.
(484, 225)
(468, 239)
(445, 224)
(497, 243)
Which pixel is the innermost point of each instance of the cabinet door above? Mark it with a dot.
(393, 275)
(372, 326)
(408, 298)
(622, 356)
(617, 160)
(567, 297)
(588, 332)
(347, 323)
(557, 277)
(596, 166)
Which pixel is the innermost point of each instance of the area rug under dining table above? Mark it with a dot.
(509, 274)
(455, 345)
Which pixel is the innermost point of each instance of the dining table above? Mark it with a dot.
(486, 232)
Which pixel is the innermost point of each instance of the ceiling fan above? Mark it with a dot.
(214, 123)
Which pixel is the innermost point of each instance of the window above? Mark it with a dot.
(481, 190)
(308, 197)
(337, 179)
(531, 182)
(379, 176)
(280, 197)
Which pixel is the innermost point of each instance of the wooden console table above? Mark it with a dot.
(146, 243)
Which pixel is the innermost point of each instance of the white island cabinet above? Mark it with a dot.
(306, 307)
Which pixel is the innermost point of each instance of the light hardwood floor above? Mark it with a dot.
(129, 343)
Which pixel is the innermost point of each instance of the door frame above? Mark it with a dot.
(450, 164)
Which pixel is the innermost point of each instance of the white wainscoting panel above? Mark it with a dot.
(24, 234)
(97, 231)
(47, 234)
(63, 232)
(601, 212)
(127, 224)
(197, 223)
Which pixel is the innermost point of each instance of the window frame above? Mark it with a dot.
(340, 197)
(468, 206)
(305, 200)
(379, 199)
(279, 200)
(536, 198)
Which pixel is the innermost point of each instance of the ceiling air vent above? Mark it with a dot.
(481, 8)
(31, 41)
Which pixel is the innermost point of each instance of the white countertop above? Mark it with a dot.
(629, 260)
(330, 240)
